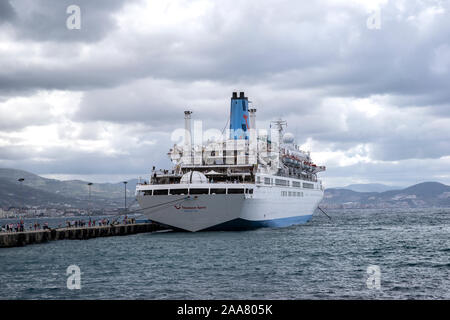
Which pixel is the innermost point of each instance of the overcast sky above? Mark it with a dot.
(370, 98)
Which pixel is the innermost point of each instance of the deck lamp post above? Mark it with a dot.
(125, 185)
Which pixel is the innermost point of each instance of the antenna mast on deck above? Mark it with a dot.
(279, 124)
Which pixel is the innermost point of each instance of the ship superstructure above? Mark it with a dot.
(243, 179)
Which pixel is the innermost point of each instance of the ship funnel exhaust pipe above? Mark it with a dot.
(252, 118)
(239, 118)
(187, 128)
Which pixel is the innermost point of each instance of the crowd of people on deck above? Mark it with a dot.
(20, 226)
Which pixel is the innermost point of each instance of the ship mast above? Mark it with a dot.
(279, 124)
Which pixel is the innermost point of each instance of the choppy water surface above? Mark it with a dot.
(320, 260)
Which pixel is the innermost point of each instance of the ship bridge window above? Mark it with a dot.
(218, 191)
(267, 181)
(296, 184)
(281, 182)
(249, 191)
(161, 192)
(178, 191)
(308, 185)
(198, 191)
(235, 191)
(147, 192)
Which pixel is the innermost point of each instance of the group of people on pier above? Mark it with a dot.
(20, 226)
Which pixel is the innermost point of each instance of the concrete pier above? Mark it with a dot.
(17, 239)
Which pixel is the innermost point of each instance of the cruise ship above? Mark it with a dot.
(236, 179)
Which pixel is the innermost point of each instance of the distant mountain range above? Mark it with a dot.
(370, 187)
(38, 191)
(427, 194)
(52, 193)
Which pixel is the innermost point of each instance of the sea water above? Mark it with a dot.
(323, 259)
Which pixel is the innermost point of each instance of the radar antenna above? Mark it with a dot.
(279, 124)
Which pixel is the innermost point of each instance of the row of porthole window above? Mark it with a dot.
(291, 194)
(286, 183)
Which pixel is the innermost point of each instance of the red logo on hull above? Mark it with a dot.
(178, 207)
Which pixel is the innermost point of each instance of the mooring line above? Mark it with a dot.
(324, 212)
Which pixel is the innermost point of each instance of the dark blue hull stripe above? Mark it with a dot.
(243, 224)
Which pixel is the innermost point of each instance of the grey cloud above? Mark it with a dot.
(285, 45)
(68, 159)
(19, 116)
(405, 173)
(6, 11)
(391, 139)
(437, 103)
(45, 20)
(161, 106)
(158, 103)
(288, 57)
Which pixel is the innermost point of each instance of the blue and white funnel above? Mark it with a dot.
(239, 117)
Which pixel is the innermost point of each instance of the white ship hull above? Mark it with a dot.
(267, 206)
